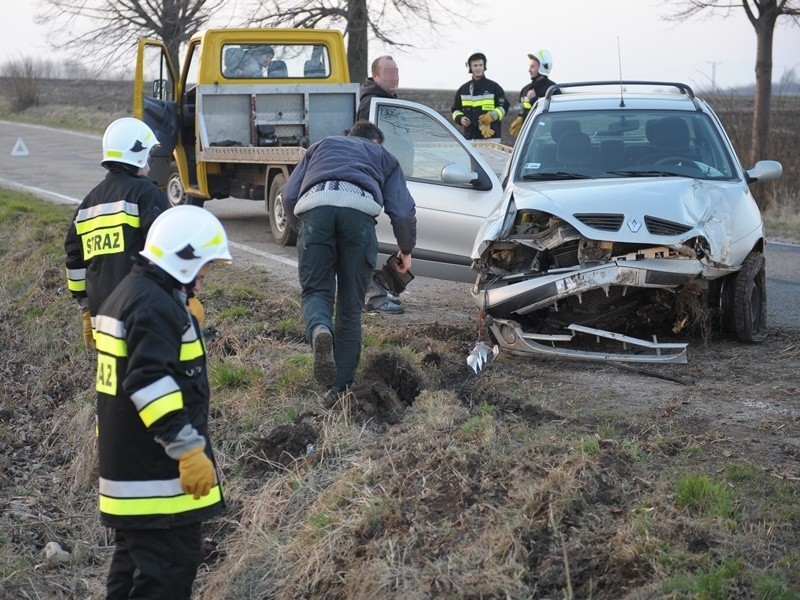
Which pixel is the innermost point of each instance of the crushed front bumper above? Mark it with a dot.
(513, 339)
(522, 294)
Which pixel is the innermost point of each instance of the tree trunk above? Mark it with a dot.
(765, 28)
(357, 39)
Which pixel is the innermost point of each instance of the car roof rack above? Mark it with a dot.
(681, 87)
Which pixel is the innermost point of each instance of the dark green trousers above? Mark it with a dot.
(337, 250)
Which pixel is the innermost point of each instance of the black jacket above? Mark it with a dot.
(540, 85)
(152, 404)
(108, 231)
(475, 98)
(369, 90)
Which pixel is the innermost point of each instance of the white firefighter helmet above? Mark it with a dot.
(183, 239)
(545, 60)
(128, 140)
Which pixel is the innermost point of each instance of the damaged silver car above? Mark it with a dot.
(626, 218)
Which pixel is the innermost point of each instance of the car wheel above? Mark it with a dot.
(278, 223)
(749, 299)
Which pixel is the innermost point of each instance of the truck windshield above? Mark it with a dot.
(275, 61)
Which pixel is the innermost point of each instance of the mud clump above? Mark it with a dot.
(388, 386)
(283, 446)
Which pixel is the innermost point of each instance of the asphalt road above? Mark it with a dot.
(62, 166)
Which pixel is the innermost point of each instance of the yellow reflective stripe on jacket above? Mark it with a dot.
(485, 102)
(114, 210)
(76, 280)
(157, 399)
(130, 507)
(191, 345)
(106, 221)
(157, 409)
(109, 336)
(110, 345)
(191, 350)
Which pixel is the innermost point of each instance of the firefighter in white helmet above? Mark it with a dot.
(111, 223)
(541, 63)
(480, 104)
(158, 482)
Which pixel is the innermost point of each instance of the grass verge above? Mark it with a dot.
(424, 482)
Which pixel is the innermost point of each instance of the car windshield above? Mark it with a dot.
(613, 143)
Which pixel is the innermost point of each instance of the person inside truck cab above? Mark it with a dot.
(257, 62)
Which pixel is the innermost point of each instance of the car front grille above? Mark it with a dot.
(662, 227)
(603, 222)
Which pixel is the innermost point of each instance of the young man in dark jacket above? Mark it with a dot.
(540, 66)
(480, 104)
(157, 476)
(333, 198)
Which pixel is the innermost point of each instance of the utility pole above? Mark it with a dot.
(713, 64)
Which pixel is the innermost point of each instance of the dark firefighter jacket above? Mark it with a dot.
(475, 98)
(152, 404)
(540, 86)
(108, 231)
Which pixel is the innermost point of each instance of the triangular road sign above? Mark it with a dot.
(20, 149)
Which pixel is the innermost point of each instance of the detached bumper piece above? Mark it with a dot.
(516, 341)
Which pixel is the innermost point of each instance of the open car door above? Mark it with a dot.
(154, 92)
(455, 184)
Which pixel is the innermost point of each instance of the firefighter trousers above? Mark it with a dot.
(154, 564)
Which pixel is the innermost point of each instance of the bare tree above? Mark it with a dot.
(385, 20)
(106, 30)
(763, 16)
(24, 77)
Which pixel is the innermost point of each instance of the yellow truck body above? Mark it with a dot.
(232, 124)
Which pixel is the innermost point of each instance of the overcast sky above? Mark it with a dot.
(582, 35)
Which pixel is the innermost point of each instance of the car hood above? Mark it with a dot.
(707, 208)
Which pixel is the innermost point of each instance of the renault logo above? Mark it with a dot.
(634, 224)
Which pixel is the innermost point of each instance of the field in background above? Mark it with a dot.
(92, 104)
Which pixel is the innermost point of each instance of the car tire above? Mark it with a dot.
(749, 300)
(278, 223)
(177, 196)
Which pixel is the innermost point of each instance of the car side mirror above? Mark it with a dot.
(457, 174)
(765, 170)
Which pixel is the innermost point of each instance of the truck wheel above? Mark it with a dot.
(281, 231)
(176, 195)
